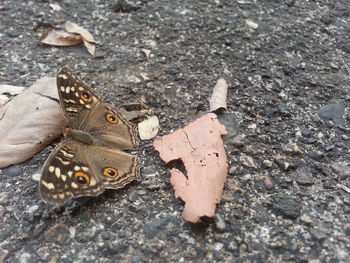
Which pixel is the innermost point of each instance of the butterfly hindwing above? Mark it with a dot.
(114, 167)
(67, 173)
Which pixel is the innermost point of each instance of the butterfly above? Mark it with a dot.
(92, 157)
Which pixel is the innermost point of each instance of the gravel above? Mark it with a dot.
(287, 65)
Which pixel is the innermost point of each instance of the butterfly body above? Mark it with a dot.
(80, 136)
(92, 157)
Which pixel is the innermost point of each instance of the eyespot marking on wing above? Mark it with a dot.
(110, 172)
(82, 178)
(111, 118)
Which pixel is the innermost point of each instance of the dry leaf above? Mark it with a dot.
(90, 47)
(29, 122)
(3, 100)
(201, 149)
(251, 24)
(74, 28)
(88, 39)
(147, 52)
(61, 39)
(9, 89)
(149, 128)
(218, 97)
(6, 90)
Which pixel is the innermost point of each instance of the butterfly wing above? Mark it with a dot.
(109, 128)
(77, 99)
(75, 169)
(114, 168)
(67, 173)
(84, 111)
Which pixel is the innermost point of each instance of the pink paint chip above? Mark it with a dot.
(201, 149)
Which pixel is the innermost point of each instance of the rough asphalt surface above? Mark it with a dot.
(287, 196)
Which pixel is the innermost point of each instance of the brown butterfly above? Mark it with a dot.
(91, 158)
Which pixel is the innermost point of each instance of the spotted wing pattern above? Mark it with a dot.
(92, 157)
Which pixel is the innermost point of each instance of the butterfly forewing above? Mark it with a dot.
(110, 128)
(76, 99)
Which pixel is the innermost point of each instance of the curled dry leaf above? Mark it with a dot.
(74, 28)
(3, 100)
(29, 122)
(251, 24)
(135, 112)
(88, 39)
(6, 91)
(11, 90)
(60, 38)
(91, 47)
(201, 149)
(217, 100)
(147, 52)
(149, 128)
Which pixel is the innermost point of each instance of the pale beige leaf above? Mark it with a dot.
(251, 24)
(29, 122)
(3, 100)
(201, 149)
(147, 52)
(7, 90)
(74, 28)
(218, 98)
(149, 128)
(36, 177)
(10, 89)
(61, 39)
(90, 47)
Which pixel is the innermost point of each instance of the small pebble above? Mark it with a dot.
(303, 177)
(267, 163)
(2, 213)
(233, 170)
(13, 33)
(289, 206)
(341, 169)
(329, 147)
(142, 192)
(4, 198)
(132, 196)
(346, 209)
(347, 229)
(345, 137)
(26, 258)
(220, 223)
(320, 135)
(293, 148)
(319, 234)
(251, 24)
(14, 170)
(316, 155)
(269, 184)
(248, 161)
(153, 187)
(57, 233)
(236, 143)
(306, 219)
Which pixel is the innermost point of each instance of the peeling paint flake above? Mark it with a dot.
(201, 149)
